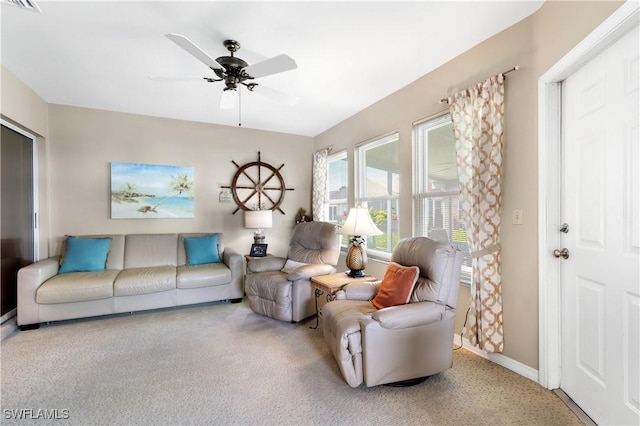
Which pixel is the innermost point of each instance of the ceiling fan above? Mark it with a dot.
(235, 72)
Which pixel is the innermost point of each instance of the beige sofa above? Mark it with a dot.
(143, 271)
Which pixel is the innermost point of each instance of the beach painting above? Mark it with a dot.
(149, 191)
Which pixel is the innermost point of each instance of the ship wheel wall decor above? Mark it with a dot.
(258, 186)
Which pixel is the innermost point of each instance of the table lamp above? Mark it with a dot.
(258, 220)
(358, 224)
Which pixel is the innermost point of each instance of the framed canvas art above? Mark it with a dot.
(149, 191)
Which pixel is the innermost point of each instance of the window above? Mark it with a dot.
(378, 187)
(337, 190)
(437, 209)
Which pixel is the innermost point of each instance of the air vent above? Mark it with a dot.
(23, 4)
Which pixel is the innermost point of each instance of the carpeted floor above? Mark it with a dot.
(221, 364)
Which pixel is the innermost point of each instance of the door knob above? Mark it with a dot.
(564, 253)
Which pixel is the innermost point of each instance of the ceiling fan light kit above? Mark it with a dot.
(236, 72)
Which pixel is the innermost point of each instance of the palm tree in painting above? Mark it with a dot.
(180, 184)
(126, 194)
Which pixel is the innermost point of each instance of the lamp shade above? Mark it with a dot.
(359, 222)
(258, 219)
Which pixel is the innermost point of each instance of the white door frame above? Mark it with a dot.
(549, 183)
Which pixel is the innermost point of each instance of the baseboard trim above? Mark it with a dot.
(12, 313)
(500, 359)
(8, 328)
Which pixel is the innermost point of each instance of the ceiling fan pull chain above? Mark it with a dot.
(239, 108)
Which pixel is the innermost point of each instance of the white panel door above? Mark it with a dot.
(600, 198)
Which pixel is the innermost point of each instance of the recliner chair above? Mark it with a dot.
(280, 287)
(398, 344)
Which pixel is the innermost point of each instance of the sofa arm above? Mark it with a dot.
(410, 315)
(305, 272)
(359, 291)
(233, 260)
(29, 279)
(265, 264)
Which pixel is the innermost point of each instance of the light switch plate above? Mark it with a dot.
(516, 217)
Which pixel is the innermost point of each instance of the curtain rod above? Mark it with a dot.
(516, 68)
(328, 148)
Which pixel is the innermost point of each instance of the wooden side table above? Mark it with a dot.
(248, 257)
(331, 284)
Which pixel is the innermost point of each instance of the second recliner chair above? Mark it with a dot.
(280, 287)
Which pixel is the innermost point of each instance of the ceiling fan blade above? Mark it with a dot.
(270, 66)
(276, 95)
(163, 79)
(227, 99)
(190, 47)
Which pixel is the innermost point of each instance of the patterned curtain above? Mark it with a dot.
(477, 114)
(319, 185)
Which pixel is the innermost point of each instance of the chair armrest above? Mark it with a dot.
(265, 264)
(409, 315)
(359, 291)
(311, 270)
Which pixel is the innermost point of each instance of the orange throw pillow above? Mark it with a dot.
(396, 286)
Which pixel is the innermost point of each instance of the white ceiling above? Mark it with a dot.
(349, 54)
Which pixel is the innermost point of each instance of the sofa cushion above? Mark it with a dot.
(131, 282)
(76, 287)
(147, 250)
(396, 286)
(201, 250)
(85, 255)
(206, 275)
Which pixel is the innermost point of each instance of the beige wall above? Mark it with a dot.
(21, 105)
(535, 44)
(83, 143)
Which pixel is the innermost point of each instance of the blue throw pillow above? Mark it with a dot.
(202, 250)
(85, 255)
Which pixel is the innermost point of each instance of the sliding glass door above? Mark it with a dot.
(17, 227)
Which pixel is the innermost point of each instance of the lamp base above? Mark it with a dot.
(356, 261)
(356, 273)
(259, 237)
